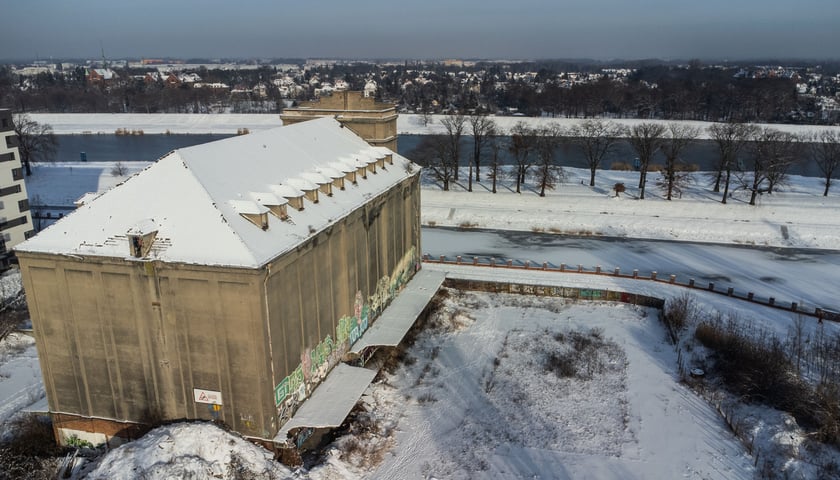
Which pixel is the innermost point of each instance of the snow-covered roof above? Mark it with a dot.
(195, 196)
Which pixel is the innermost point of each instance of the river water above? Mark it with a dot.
(107, 147)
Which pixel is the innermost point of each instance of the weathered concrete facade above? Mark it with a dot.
(131, 340)
(373, 121)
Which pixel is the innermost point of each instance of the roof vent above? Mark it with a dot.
(324, 183)
(251, 211)
(376, 155)
(276, 205)
(385, 152)
(141, 237)
(310, 189)
(335, 174)
(348, 167)
(369, 160)
(293, 195)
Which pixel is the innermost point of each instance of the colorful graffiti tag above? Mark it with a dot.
(317, 361)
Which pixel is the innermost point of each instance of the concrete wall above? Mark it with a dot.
(324, 295)
(129, 341)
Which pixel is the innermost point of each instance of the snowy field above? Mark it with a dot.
(797, 215)
(230, 123)
(479, 397)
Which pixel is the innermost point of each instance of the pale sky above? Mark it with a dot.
(428, 29)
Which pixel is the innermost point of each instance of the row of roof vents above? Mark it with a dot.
(256, 206)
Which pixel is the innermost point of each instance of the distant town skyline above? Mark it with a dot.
(525, 29)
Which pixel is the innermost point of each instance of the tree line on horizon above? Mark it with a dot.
(750, 158)
(651, 91)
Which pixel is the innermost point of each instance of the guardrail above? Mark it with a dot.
(729, 291)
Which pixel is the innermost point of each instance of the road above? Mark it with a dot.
(807, 276)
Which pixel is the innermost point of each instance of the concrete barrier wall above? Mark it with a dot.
(654, 276)
(554, 291)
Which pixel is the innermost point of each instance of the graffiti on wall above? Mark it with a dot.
(317, 361)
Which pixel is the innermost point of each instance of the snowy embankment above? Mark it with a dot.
(797, 215)
(230, 123)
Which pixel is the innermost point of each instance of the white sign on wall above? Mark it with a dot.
(207, 396)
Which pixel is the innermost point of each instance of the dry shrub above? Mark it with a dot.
(655, 167)
(754, 365)
(30, 451)
(677, 314)
(621, 166)
(578, 355)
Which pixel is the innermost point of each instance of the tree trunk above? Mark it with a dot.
(716, 189)
(642, 182)
(827, 185)
(469, 188)
(670, 183)
(592, 176)
(726, 186)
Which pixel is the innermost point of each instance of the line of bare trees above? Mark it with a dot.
(750, 158)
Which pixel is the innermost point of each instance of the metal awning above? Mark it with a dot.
(331, 401)
(390, 328)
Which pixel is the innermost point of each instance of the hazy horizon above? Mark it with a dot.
(530, 29)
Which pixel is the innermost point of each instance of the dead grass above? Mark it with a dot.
(30, 451)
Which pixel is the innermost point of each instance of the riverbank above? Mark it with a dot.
(231, 123)
(797, 215)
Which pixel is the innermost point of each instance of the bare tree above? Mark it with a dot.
(824, 149)
(730, 139)
(789, 153)
(595, 138)
(433, 153)
(646, 139)
(482, 127)
(36, 141)
(496, 145)
(771, 149)
(679, 136)
(546, 141)
(521, 145)
(427, 118)
(119, 169)
(454, 126)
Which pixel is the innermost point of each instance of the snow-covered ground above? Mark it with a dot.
(230, 123)
(797, 215)
(454, 412)
(481, 398)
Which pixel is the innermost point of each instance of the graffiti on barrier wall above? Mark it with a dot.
(317, 361)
